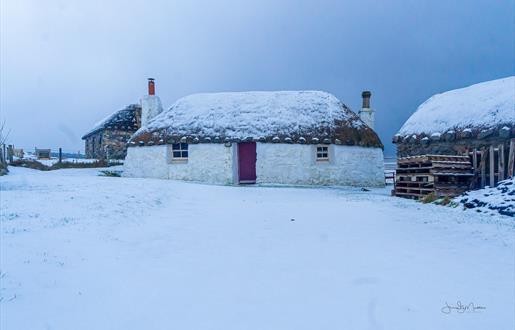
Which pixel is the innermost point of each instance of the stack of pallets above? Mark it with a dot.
(444, 175)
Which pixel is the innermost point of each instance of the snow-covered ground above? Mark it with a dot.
(50, 162)
(55, 160)
(491, 200)
(81, 251)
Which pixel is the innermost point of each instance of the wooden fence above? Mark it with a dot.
(493, 164)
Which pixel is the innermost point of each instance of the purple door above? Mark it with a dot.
(247, 162)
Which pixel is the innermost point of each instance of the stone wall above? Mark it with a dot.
(276, 163)
(94, 145)
(108, 144)
(442, 146)
(453, 141)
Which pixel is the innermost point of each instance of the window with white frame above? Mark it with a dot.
(179, 152)
(322, 153)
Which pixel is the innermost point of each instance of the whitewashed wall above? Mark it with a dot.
(360, 166)
(276, 163)
(146, 162)
(210, 163)
(296, 164)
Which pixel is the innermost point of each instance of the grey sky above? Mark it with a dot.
(67, 64)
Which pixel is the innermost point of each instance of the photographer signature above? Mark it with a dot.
(461, 308)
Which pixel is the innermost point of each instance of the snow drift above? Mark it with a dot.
(491, 200)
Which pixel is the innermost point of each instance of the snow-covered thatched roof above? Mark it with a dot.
(289, 116)
(126, 119)
(482, 106)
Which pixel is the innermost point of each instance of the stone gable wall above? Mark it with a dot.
(108, 144)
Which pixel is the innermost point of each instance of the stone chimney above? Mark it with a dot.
(150, 104)
(367, 113)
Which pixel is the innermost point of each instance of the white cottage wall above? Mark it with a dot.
(276, 163)
(360, 166)
(296, 164)
(209, 163)
(146, 162)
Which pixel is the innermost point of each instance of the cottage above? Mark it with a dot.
(476, 121)
(294, 137)
(108, 138)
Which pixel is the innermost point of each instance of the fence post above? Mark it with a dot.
(491, 167)
(2, 154)
(511, 158)
(501, 162)
(60, 155)
(10, 153)
(482, 167)
(475, 164)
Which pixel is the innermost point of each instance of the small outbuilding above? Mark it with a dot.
(290, 137)
(43, 153)
(477, 121)
(108, 138)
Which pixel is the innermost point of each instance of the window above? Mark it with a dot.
(179, 152)
(322, 153)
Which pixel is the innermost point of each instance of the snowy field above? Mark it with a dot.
(80, 251)
(55, 160)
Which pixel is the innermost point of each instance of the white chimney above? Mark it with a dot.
(150, 104)
(367, 113)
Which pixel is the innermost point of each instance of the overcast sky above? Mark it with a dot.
(67, 64)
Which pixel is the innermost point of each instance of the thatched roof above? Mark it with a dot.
(125, 119)
(276, 117)
(476, 111)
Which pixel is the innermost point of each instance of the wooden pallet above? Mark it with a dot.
(443, 175)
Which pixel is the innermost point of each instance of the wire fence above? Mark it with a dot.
(69, 152)
(9, 152)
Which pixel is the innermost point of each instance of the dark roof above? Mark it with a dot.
(502, 132)
(125, 119)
